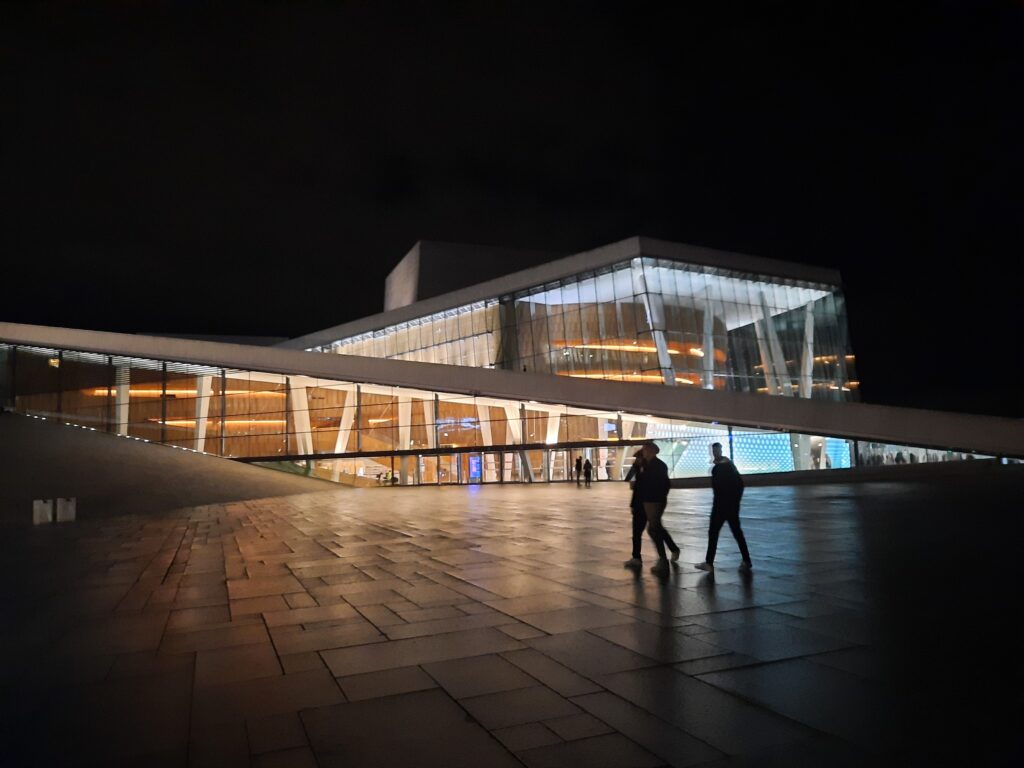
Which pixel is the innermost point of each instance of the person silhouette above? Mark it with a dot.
(652, 487)
(579, 469)
(727, 486)
(588, 470)
(636, 507)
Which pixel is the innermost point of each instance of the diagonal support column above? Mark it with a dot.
(654, 308)
(515, 425)
(348, 415)
(204, 393)
(298, 402)
(554, 422)
(771, 355)
(766, 358)
(514, 417)
(772, 358)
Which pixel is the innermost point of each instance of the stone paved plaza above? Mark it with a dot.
(497, 626)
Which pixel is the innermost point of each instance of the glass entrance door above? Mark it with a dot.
(558, 465)
(447, 469)
(492, 466)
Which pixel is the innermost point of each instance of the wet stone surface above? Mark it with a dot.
(497, 626)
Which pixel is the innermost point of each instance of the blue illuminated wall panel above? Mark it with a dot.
(757, 452)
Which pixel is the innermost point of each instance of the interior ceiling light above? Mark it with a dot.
(634, 347)
(112, 391)
(229, 422)
(378, 421)
(696, 351)
(621, 376)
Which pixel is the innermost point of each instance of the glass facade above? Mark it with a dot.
(367, 434)
(645, 320)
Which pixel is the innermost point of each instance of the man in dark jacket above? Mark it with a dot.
(727, 486)
(652, 488)
(636, 506)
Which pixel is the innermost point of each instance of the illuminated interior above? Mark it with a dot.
(643, 320)
(366, 434)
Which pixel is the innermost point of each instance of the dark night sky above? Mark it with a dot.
(259, 168)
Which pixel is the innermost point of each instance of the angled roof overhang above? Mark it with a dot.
(937, 429)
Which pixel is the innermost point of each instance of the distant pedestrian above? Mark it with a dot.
(727, 486)
(588, 469)
(653, 486)
(579, 469)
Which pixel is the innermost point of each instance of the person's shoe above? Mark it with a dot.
(675, 556)
(746, 566)
(633, 562)
(704, 567)
(661, 567)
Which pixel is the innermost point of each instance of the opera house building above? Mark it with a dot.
(476, 373)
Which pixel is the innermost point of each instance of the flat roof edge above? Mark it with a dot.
(566, 266)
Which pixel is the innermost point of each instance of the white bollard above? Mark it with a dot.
(42, 511)
(66, 510)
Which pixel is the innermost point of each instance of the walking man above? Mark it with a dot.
(727, 486)
(588, 469)
(652, 487)
(636, 507)
(579, 469)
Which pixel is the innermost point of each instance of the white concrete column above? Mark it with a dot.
(298, 403)
(807, 356)
(483, 415)
(766, 358)
(708, 347)
(204, 393)
(428, 423)
(776, 359)
(654, 307)
(348, 415)
(404, 423)
(554, 422)
(515, 424)
(122, 397)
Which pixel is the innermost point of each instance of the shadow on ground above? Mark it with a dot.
(496, 626)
